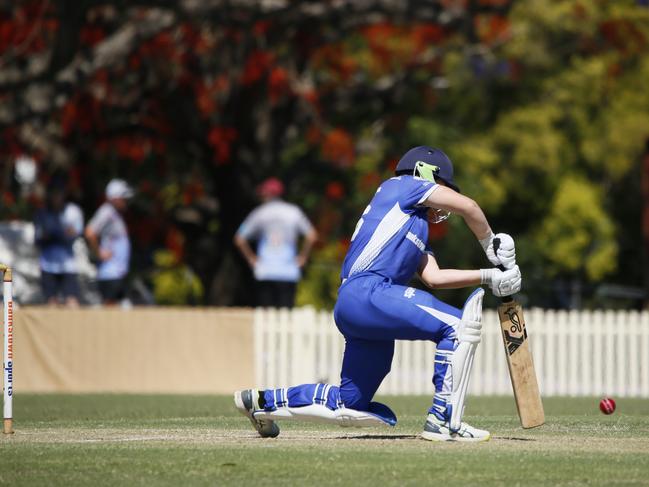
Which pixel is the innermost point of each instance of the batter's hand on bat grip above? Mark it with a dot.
(501, 251)
(502, 282)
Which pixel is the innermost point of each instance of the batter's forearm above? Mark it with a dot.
(449, 200)
(451, 278)
(476, 220)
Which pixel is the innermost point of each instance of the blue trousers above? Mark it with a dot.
(371, 312)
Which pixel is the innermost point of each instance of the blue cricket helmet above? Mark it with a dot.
(428, 155)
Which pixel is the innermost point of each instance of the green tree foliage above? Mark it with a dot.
(572, 128)
(174, 283)
(577, 236)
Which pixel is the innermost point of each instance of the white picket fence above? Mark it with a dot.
(576, 353)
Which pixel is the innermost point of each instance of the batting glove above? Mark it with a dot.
(506, 254)
(502, 283)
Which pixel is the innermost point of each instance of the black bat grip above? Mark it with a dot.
(496, 244)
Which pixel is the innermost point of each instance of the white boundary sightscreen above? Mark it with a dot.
(576, 353)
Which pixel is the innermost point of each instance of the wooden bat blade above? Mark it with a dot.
(521, 366)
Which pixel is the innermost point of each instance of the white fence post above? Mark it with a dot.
(537, 325)
(644, 354)
(585, 337)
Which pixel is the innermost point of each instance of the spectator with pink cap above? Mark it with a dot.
(276, 227)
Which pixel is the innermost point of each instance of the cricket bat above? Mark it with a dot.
(519, 361)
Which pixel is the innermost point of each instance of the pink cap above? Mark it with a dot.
(271, 187)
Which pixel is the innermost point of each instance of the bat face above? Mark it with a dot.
(521, 366)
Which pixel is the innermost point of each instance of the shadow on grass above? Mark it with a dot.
(512, 438)
(378, 437)
(417, 437)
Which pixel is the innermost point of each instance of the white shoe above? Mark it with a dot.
(247, 402)
(437, 430)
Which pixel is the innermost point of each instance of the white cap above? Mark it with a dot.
(118, 188)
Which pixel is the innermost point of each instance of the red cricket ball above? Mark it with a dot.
(607, 405)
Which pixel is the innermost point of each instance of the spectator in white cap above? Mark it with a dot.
(108, 239)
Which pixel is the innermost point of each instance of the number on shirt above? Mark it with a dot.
(359, 224)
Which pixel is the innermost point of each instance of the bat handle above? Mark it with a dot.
(496, 243)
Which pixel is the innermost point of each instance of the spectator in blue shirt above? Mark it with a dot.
(56, 227)
(276, 226)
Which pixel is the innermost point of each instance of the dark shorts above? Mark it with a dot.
(112, 290)
(60, 286)
(276, 294)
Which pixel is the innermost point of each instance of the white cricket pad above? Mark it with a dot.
(469, 336)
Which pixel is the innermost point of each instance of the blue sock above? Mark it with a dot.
(303, 395)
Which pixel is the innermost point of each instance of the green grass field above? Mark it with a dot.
(201, 440)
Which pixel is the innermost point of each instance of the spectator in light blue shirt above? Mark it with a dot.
(276, 226)
(108, 240)
(56, 227)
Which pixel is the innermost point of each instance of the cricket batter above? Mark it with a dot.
(375, 307)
